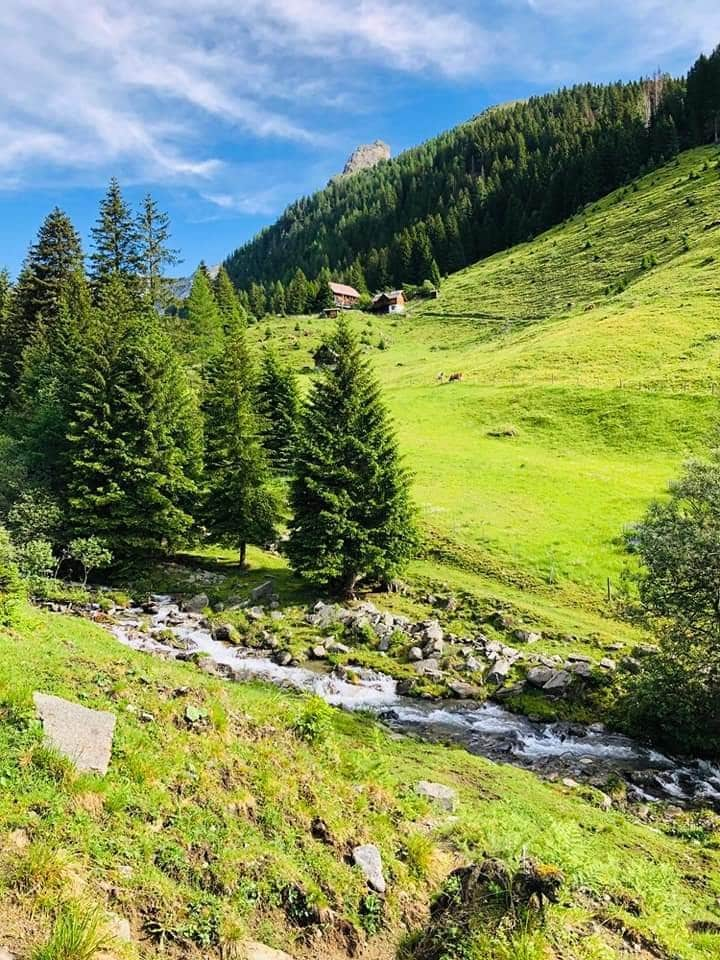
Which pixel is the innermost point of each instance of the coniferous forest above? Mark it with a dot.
(488, 184)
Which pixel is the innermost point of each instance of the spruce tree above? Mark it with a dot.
(153, 228)
(296, 296)
(52, 261)
(352, 516)
(325, 299)
(200, 333)
(116, 240)
(135, 434)
(231, 312)
(241, 504)
(278, 403)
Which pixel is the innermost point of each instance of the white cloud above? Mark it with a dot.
(151, 89)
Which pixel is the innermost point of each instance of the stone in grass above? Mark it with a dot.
(367, 858)
(197, 603)
(252, 950)
(82, 735)
(262, 592)
(440, 794)
(499, 671)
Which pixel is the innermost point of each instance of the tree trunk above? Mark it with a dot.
(243, 553)
(348, 583)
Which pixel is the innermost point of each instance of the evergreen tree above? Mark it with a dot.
(278, 402)
(135, 435)
(116, 240)
(52, 262)
(296, 297)
(200, 332)
(241, 504)
(325, 299)
(277, 299)
(352, 517)
(227, 302)
(258, 300)
(153, 228)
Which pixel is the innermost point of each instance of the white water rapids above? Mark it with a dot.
(586, 753)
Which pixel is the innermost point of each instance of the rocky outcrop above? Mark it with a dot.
(365, 156)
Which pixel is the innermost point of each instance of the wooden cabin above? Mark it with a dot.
(389, 302)
(345, 297)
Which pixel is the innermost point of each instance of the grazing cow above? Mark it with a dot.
(455, 376)
(440, 377)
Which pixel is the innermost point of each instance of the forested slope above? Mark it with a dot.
(486, 185)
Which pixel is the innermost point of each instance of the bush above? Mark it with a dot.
(34, 515)
(10, 581)
(35, 559)
(92, 553)
(314, 723)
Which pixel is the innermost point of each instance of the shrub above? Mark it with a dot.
(10, 582)
(36, 560)
(314, 722)
(92, 553)
(34, 515)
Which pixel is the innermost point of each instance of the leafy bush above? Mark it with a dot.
(92, 553)
(34, 515)
(10, 582)
(35, 559)
(314, 722)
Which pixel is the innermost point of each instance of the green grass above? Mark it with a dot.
(200, 834)
(597, 393)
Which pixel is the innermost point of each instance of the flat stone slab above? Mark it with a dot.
(252, 950)
(367, 858)
(439, 793)
(82, 735)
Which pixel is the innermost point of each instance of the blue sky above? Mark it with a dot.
(226, 110)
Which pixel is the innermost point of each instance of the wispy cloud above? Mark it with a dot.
(155, 90)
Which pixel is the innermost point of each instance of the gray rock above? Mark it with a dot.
(433, 631)
(499, 671)
(415, 654)
(579, 658)
(428, 668)
(474, 665)
(119, 928)
(318, 652)
(367, 857)
(82, 735)
(526, 636)
(262, 592)
(252, 950)
(580, 668)
(277, 615)
(464, 691)
(539, 676)
(336, 647)
(559, 682)
(283, 658)
(434, 648)
(324, 614)
(197, 603)
(608, 664)
(225, 633)
(631, 665)
(440, 794)
(255, 613)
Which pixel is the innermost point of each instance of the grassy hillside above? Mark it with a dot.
(202, 834)
(589, 360)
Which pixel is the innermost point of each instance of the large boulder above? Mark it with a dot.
(428, 668)
(82, 735)
(197, 603)
(264, 591)
(539, 676)
(252, 950)
(558, 682)
(499, 672)
(367, 857)
(463, 690)
(438, 793)
(225, 633)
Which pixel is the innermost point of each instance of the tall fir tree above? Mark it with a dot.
(116, 241)
(51, 264)
(154, 252)
(199, 330)
(231, 311)
(135, 434)
(296, 295)
(278, 403)
(352, 519)
(241, 502)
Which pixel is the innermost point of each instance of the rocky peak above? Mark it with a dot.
(365, 156)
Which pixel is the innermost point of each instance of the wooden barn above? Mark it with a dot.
(389, 302)
(345, 297)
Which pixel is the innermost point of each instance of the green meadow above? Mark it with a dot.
(589, 361)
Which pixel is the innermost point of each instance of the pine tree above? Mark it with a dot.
(241, 504)
(325, 299)
(258, 300)
(296, 295)
(352, 517)
(227, 302)
(278, 402)
(200, 333)
(277, 299)
(52, 262)
(135, 435)
(153, 227)
(116, 240)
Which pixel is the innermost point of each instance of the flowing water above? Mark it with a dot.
(554, 750)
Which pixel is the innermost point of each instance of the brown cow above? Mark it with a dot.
(455, 376)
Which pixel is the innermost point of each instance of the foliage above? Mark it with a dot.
(78, 934)
(352, 517)
(199, 333)
(10, 584)
(241, 504)
(36, 560)
(91, 552)
(153, 228)
(116, 241)
(677, 697)
(314, 721)
(278, 404)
